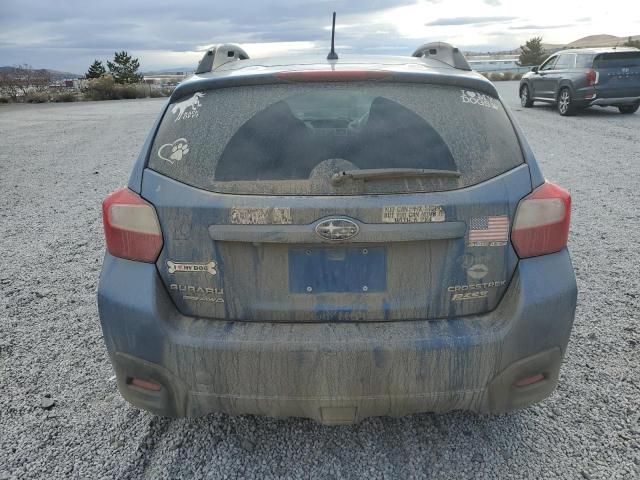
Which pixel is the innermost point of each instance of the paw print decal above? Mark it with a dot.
(174, 152)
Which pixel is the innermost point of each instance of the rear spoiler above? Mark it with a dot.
(455, 78)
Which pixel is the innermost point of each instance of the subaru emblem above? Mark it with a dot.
(337, 229)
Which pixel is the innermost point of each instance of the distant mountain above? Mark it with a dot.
(54, 74)
(58, 75)
(585, 42)
(168, 71)
(601, 41)
(592, 41)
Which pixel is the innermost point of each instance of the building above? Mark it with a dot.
(506, 63)
(166, 79)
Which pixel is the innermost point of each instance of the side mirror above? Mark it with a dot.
(534, 69)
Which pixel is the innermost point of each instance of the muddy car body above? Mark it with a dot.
(336, 240)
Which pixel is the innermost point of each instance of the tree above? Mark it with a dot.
(532, 52)
(124, 68)
(9, 86)
(96, 70)
(632, 43)
(22, 79)
(30, 80)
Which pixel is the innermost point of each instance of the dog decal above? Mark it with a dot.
(188, 108)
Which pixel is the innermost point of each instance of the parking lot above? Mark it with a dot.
(58, 161)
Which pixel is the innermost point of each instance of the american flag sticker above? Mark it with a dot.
(489, 231)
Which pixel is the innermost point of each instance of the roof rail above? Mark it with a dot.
(219, 55)
(443, 52)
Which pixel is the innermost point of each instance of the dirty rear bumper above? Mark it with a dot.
(615, 101)
(337, 372)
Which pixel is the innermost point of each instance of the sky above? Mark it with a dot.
(69, 34)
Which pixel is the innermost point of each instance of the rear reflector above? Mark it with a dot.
(523, 382)
(145, 384)
(542, 221)
(333, 75)
(131, 227)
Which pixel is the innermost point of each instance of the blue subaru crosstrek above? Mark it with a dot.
(336, 239)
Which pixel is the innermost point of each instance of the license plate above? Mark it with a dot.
(337, 270)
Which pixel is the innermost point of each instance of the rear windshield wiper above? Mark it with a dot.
(376, 173)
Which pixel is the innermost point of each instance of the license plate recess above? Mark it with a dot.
(337, 270)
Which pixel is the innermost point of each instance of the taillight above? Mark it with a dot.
(542, 221)
(131, 227)
(592, 77)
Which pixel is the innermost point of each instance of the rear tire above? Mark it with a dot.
(566, 107)
(629, 109)
(525, 96)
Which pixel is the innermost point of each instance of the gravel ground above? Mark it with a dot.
(60, 412)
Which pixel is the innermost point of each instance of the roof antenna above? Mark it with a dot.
(332, 54)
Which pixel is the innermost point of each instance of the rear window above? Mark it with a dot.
(566, 61)
(618, 60)
(584, 61)
(292, 139)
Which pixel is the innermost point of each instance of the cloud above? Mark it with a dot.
(68, 35)
(468, 21)
(540, 27)
(45, 33)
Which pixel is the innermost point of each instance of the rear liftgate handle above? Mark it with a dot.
(369, 233)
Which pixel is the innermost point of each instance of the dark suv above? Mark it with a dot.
(574, 79)
(335, 240)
